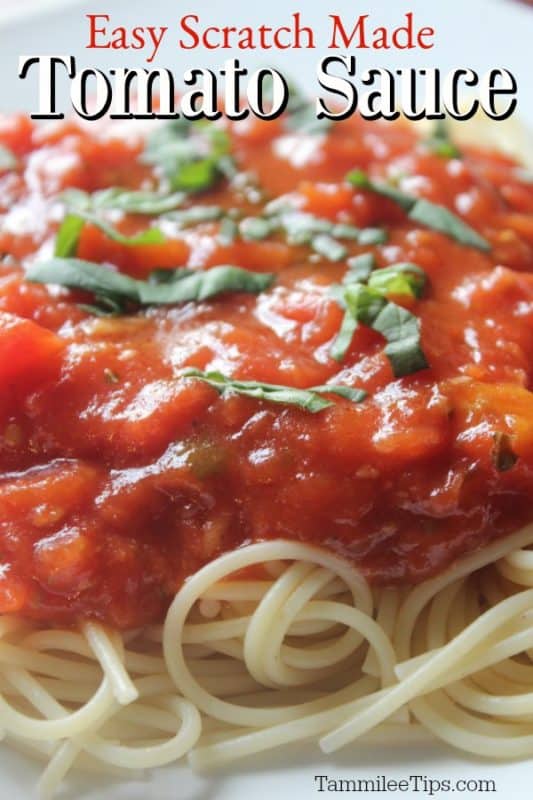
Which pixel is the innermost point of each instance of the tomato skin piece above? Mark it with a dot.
(29, 353)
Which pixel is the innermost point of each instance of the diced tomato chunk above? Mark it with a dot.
(16, 133)
(29, 353)
(136, 259)
(326, 199)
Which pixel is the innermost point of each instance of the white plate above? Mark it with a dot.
(473, 33)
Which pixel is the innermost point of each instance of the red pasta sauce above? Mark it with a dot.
(119, 478)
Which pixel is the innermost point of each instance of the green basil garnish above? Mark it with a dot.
(364, 297)
(440, 143)
(114, 290)
(202, 285)
(68, 235)
(83, 207)
(403, 278)
(432, 215)
(343, 340)
(359, 267)
(228, 230)
(85, 276)
(130, 202)
(255, 228)
(439, 218)
(300, 115)
(369, 236)
(193, 156)
(302, 119)
(401, 329)
(306, 399)
(148, 236)
(363, 302)
(343, 231)
(196, 215)
(327, 246)
(302, 228)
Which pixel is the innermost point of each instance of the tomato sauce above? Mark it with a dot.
(119, 478)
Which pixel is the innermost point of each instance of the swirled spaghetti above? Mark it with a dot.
(308, 652)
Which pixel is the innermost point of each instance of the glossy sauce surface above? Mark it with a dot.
(119, 478)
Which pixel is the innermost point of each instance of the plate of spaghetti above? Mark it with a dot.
(266, 451)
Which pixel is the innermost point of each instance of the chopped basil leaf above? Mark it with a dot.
(192, 155)
(401, 329)
(195, 215)
(343, 231)
(343, 340)
(402, 278)
(68, 236)
(301, 227)
(441, 219)
(348, 392)
(141, 202)
(359, 267)
(169, 275)
(193, 176)
(82, 208)
(368, 303)
(104, 307)
(301, 115)
(69, 233)
(432, 215)
(372, 236)
(363, 302)
(406, 356)
(255, 228)
(86, 276)
(328, 247)
(307, 399)
(76, 200)
(360, 180)
(337, 293)
(204, 285)
(130, 202)
(8, 160)
(228, 231)
(113, 290)
(503, 456)
(148, 236)
(440, 143)
(304, 120)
